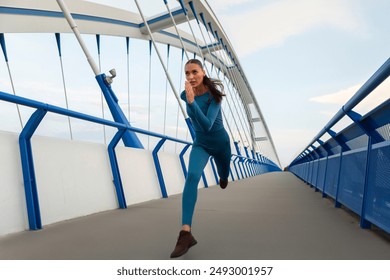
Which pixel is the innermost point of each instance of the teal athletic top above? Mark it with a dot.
(205, 113)
(211, 139)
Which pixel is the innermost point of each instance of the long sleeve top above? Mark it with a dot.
(205, 113)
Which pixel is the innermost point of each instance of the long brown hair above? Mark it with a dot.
(215, 86)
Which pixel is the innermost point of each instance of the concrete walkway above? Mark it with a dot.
(274, 216)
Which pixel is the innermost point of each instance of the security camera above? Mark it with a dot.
(113, 73)
(109, 79)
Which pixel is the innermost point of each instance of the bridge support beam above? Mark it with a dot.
(30, 185)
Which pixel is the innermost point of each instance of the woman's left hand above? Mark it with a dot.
(189, 92)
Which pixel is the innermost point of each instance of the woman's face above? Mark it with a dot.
(194, 74)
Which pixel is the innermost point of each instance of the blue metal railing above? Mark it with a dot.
(250, 166)
(353, 166)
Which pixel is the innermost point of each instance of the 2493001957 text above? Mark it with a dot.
(257, 270)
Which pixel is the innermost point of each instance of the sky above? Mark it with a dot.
(303, 59)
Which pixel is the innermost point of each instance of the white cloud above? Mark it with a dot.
(273, 24)
(378, 96)
(340, 97)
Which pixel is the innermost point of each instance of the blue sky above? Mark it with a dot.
(303, 58)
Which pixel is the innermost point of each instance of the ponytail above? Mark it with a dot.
(215, 87)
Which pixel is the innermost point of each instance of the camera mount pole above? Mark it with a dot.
(76, 32)
(129, 138)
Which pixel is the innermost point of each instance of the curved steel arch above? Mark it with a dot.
(45, 16)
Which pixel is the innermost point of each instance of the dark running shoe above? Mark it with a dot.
(223, 183)
(184, 242)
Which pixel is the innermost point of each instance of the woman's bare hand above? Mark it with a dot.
(189, 92)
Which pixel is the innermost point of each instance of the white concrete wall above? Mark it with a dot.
(74, 179)
(138, 175)
(13, 214)
(173, 172)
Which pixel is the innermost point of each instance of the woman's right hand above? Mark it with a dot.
(189, 92)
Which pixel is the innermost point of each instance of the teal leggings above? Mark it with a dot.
(216, 144)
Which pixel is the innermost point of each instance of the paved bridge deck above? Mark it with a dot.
(274, 216)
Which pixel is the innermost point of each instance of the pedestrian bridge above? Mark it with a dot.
(271, 216)
(86, 175)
